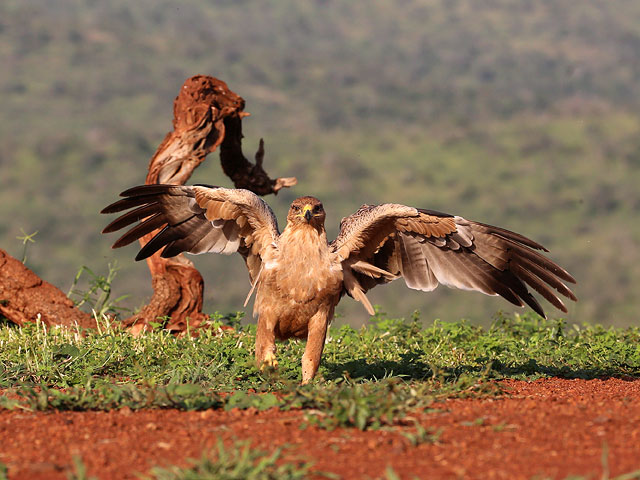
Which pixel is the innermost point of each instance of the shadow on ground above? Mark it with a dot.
(410, 368)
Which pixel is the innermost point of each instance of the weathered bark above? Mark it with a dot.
(24, 297)
(206, 115)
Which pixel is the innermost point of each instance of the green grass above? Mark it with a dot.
(237, 462)
(79, 470)
(369, 378)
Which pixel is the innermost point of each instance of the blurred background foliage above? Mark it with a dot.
(521, 114)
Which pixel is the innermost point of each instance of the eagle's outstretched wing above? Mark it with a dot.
(378, 244)
(196, 219)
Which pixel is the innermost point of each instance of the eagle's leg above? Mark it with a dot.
(265, 345)
(316, 336)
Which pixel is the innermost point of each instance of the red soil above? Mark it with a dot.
(548, 428)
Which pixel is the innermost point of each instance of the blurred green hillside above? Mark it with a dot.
(521, 114)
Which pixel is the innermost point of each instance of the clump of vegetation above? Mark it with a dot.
(239, 461)
(371, 377)
(97, 295)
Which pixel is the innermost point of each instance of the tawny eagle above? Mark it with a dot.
(299, 277)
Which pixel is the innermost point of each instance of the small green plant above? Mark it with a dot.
(366, 406)
(113, 396)
(503, 427)
(237, 462)
(26, 239)
(97, 296)
(79, 470)
(478, 422)
(390, 474)
(422, 435)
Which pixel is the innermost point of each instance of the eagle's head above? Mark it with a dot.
(306, 211)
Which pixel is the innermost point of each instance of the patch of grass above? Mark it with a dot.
(422, 435)
(239, 461)
(519, 346)
(97, 294)
(108, 397)
(365, 406)
(79, 470)
(368, 405)
(390, 474)
(370, 378)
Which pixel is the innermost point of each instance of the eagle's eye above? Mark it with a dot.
(317, 208)
(295, 208)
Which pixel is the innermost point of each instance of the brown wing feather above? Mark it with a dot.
(427, 248)
(367, 229)
(195, 219)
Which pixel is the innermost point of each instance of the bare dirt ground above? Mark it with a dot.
(548, 428)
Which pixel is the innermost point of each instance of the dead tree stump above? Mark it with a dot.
(206, 115)
(25, 297)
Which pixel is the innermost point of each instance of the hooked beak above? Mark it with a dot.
(307, 213)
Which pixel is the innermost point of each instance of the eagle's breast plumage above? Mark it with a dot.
(300, 278)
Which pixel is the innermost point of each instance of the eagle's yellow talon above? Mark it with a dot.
(269, 361)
